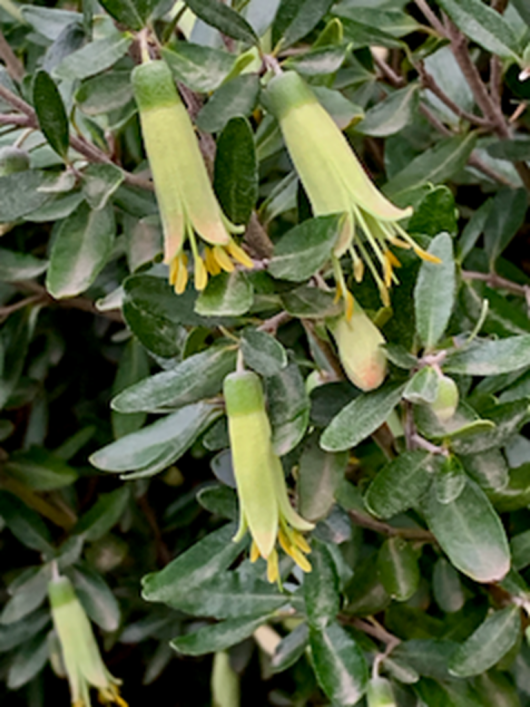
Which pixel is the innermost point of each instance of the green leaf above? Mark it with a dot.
(516, 494)
(80, 251)
(100, 181)
(96, 597)
(321, 587)
(435, 213)
(171, 435)
(488, 644)
(220, 500)
(434, 292)
(226, 295)
(436, 165)
(310, 303)
(319, 474)
(262, 352)
(360, 418)
(28, 592)
(319, 61)
(236, 171)
(20, 266)
(223, 18)
(303, 250)
(520, 548)
(28, 661)
(483, 25)
(339, 664)
(95, 57)
(230, 595)
(235, 98)
(488, 469)
(105, 93)
(290, 649)
(513, 150)
(449, 480)
(198, 376)
(17, 633)
(133, 367)
(25, 524)
(296, 18)
(507, 419)
(490, 358)
(471, 533)
(390, 115)
(131, 13)
(399, 485)
(104, 514)
(39, 469)
(505, 218)
(218, 637)
(51, 113)
(288, 405)
(422, 387)
(14, 340)
(202, 562)
(47, 21)
(343, 111)
(395, 22)
(202, 69)
(398, 568)
(19, 194)
(447, 588)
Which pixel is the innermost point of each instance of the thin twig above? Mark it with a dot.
(271, 326)
(366, 521)
(13, 64)
(388, 72)
(11, 308)
(372, 628)
(81, 303)
(496, 281)
(429, 15)
(428, 82)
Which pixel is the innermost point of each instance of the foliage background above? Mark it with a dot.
(433, 98)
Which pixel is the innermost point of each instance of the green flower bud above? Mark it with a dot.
(359, 342)
(225, 682)
(13, 159)
(264, 506)
(446, 401)
(380, 693)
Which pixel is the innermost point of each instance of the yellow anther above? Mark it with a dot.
(254, 552)
(181, 279)
(239, 254)
(211, 263)
(221, 256)
(424, 255)
(273, 571)
(200, 274)
(301, 542)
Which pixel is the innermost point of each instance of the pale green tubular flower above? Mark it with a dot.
(185, 197)
(81, 657)
(335, 182)
(264, 505)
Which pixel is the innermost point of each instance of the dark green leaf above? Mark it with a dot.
(30, 591)
(226, 295)
(224, 19)
(199, 376)
(219, 499)
(321, 587)
(296, 18)
(308, 302)
(14, 340)
(447, 588)
(100, 181)
(319, 475)
(318, 61)
(483, 25)
(471, 533)
(131, 13)
(288, 408)
(506, 216)
(28, 661)
(19, 194)
(290, 649)
(304, 249)
(202, 69)
(489, 358)
(20, 266)
(218, 637)
(236, 171)
(103, 515)
(17, 633)
(104, 93)
(95, 57)
(390, 115)
(25, 524)
(488, 644)
(360, 418)
(235, 98)
(435, 213)
(339, 664)
(398, 568)
(80, 251)
(133, 367)
(39, 469)
(51, 113)
(262, 352)
(97, 599)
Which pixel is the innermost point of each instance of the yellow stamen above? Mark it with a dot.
(301, 560)
(200, 274)
(348, 304)
(181, 279)
(358, 270)
(387, 271)
(211, 263)
(392, 258)
(424, 255)
(221, 256)
(399, 243)
(239, 254)
(173, 270)
(301, 542)
(273, 571)
(254, 552)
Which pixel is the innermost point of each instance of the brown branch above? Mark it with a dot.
(429, 15)
(11, 308)
(162, 551)
(496, 281)
(429, 83)
(373, 629)
(365, 521)
(13, 64)
(80, 303)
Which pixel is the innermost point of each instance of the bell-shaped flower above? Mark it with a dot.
(185, 197)
(82, 661)
(264, 506)
(335, 182)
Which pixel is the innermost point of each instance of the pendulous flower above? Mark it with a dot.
(335, 182)
(186, 200)
(80, 653)
(264, 506)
